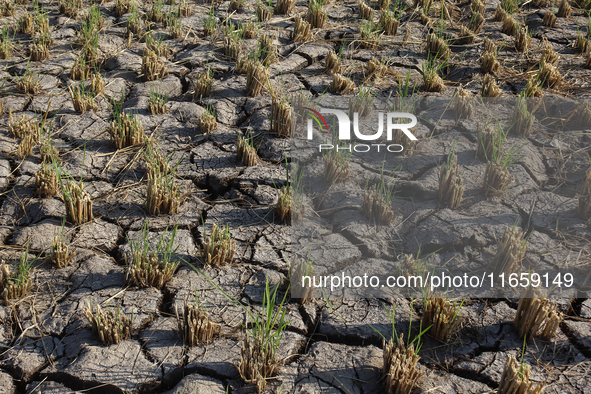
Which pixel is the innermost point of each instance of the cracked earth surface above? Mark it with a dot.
(48, 345)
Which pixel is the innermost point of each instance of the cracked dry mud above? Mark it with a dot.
(47, 344)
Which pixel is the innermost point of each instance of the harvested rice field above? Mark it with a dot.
(151, 180)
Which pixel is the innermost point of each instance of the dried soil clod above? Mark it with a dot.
(536, 316)
(451, 183)
(111, 326)
(510, 251)
(218, 248)
(195, 326)
(515, 379)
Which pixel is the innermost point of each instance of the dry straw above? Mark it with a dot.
(281, 115)
(153, 68)
(219, 247)
(536, 316)
(78, 202)
(341, 84)
(441, 316)
(148, 266)
(126, 130)
(490, 87)
(585, 198)
(284, 7)
(15, 284)
(365, 11)
(516, 379)
(510, 251)
(302, 30)
(46, 185)
(401, 367)
(111, 326)
(316, 13)
(564, 10)
(332, 63)
(256, 78)
(550, 19)
(195, 326)
(246, 152)
(451, 182)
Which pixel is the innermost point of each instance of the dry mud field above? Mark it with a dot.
(47, 342)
